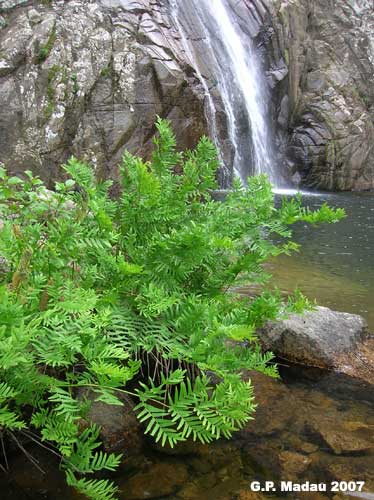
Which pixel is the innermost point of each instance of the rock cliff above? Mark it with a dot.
(88, 78)
(320, 60)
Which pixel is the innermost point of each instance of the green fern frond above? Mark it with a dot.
(101, 461)
(107, 396)
(64, 404)
(6, 392)
(164, 157)
(95, 244)
(94, 489)
(82, 174)
(57, 429)
(10, 420)
(159, 426)
(113, 373)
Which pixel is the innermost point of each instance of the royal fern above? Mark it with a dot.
(99, 293)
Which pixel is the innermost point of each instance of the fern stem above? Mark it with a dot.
(4, 454)
(123, 391)
(26, 453)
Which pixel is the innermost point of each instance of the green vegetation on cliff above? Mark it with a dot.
(135, 295)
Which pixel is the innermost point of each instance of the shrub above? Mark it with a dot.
(136, 294)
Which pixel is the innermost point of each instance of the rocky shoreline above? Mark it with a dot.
(315, 421)
(312, 425)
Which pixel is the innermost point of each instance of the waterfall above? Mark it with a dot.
(216, 45)
(190, 55)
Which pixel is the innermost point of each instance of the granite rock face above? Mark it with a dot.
(316, 338)
(87, 79)
(320, 60)
(318, 56)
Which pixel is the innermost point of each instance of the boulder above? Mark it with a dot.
(120, 430)
(316, 338)
(360, 362)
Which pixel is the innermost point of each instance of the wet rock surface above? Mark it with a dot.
(266, 390)
(88, 78)
(360, 362)
(120, 430)
(321, 434)
(293, 464)
(249, 495)
(343, 437)
(316, 338)
(326, 339)
(321, 62)
(162, 479)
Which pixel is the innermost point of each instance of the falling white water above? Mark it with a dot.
(249, 80)
(236, 71)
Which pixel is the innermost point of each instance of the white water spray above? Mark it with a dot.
(242, 86)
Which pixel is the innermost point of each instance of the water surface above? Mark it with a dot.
(335, 264)
(312, 426)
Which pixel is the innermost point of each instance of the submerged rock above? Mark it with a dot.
(343, 436)
(321, 437)
(266, 391)
(293, 464)
(160, 480)
(356, 470)
(250, 495)
(316, 338)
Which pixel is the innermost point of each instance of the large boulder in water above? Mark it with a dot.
(319, 338)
